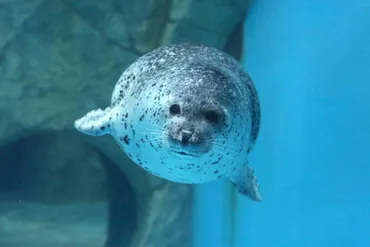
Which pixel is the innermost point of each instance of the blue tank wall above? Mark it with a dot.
(310, 60)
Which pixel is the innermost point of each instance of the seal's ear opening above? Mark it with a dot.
(95, 123)
(57, 190)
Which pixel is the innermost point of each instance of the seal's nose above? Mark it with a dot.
(185, 136)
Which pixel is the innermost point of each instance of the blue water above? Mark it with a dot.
(311, 63)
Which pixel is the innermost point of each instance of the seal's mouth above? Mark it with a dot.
(183, 153)
(188, 149)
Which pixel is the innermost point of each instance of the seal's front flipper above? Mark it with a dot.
(247, 183)
(95, 122)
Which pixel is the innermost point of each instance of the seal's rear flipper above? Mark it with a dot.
(247, 184)
(95, 123)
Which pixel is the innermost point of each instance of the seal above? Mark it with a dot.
(187, 113)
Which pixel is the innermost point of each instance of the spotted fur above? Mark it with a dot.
(197, 81)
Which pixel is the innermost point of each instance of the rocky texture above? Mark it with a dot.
(38, 225)
(61, 58)
(41, 174)
(55, 189)
(156, 229)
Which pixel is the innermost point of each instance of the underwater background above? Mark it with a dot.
(310, 62)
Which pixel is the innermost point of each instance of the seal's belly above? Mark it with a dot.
(186, 173)
(190, 171)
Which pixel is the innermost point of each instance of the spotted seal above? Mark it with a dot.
(187, 113)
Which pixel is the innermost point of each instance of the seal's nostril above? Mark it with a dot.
(185, 136)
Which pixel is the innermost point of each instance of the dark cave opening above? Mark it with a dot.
(54, 169)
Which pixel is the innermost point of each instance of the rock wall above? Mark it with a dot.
(61, 58)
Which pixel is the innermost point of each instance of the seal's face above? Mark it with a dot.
(199, 111)
(193, 126)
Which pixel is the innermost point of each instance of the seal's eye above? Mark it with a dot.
(175, 109)
(212, 117)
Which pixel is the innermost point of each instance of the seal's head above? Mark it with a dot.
(199, 111)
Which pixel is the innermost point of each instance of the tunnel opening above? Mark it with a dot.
(53, 179)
